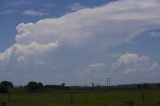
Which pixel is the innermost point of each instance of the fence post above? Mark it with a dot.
(71, 97)
(142, 95)
(9, 97)
(3, 104)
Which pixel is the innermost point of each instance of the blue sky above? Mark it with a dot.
(79, 41)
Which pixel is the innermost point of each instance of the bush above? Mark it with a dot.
(3, 89)
(7, 84)
(159, 85)
(145, 85)
(34, 86)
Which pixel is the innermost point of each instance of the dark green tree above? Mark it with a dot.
(62, 85)
(34, 86)
(7, 84)
(40, 84)
(139, 86)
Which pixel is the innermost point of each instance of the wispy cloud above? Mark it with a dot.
(17, 3)
(76, 6)
(30, 3)
(154, 34)
(7, 12)
(49, 5)
(34, 13)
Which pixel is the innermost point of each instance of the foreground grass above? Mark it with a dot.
(19, 97)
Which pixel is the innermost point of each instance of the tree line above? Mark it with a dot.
(34, 86)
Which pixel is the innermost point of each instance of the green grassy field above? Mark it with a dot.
(19, 97)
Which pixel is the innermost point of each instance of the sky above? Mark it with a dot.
(80, 41)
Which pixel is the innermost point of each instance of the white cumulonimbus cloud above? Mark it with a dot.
(101, 27)
(133, 68)
(132, 63)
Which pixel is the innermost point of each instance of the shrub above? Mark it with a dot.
(34, 86)
(3, 89)
(145, 85)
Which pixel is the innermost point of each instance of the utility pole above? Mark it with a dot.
(92, 84)
(108, 81)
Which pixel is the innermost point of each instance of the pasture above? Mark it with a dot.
(20, 97)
